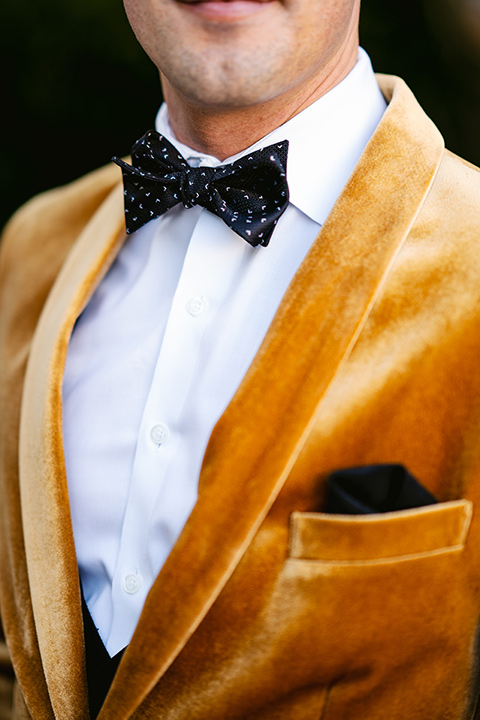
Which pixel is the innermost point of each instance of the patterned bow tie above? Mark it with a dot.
(249, 195)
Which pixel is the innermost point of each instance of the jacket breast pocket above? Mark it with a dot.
(379, 603)
(376, 538)
(383, 608)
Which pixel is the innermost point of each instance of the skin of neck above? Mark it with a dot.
(223, 132)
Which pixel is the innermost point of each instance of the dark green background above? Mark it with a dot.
(78, 89)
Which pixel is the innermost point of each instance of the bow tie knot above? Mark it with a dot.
(195, 186)
(249, 195)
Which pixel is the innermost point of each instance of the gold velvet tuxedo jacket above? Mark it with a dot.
(267, 608)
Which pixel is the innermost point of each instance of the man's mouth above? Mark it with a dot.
(201, 2)
(225, 10)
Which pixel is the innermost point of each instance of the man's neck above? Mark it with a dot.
(224, 132)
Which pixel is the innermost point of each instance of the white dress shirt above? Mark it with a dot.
(164, 343)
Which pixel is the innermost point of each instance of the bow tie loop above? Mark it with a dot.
(154, 153)
(249, 195)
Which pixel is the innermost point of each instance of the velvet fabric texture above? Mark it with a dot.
(268, 608)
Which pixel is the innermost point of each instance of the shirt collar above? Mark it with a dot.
(325, 140)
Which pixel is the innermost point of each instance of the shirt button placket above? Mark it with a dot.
(159, 434)
(132, 583)
(197, 305)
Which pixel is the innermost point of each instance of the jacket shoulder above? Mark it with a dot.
(454, 199)
(461, 163)
(461, 177)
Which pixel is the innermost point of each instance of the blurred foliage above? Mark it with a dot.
(78, 89)
(435, 46)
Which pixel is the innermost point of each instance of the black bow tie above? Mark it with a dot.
(249, 195)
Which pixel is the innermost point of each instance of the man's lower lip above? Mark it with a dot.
(224, 9)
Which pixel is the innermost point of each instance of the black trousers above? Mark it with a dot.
(101, 668)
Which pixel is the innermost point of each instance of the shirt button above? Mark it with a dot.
(159, 434)
(131, 583)
(197, 305)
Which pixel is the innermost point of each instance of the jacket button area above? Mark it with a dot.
(131, 583)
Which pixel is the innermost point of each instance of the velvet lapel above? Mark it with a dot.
(256, 442)
(50, 551)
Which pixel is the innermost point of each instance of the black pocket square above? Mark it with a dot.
(374, 489)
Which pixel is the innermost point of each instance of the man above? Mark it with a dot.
(174, 402)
